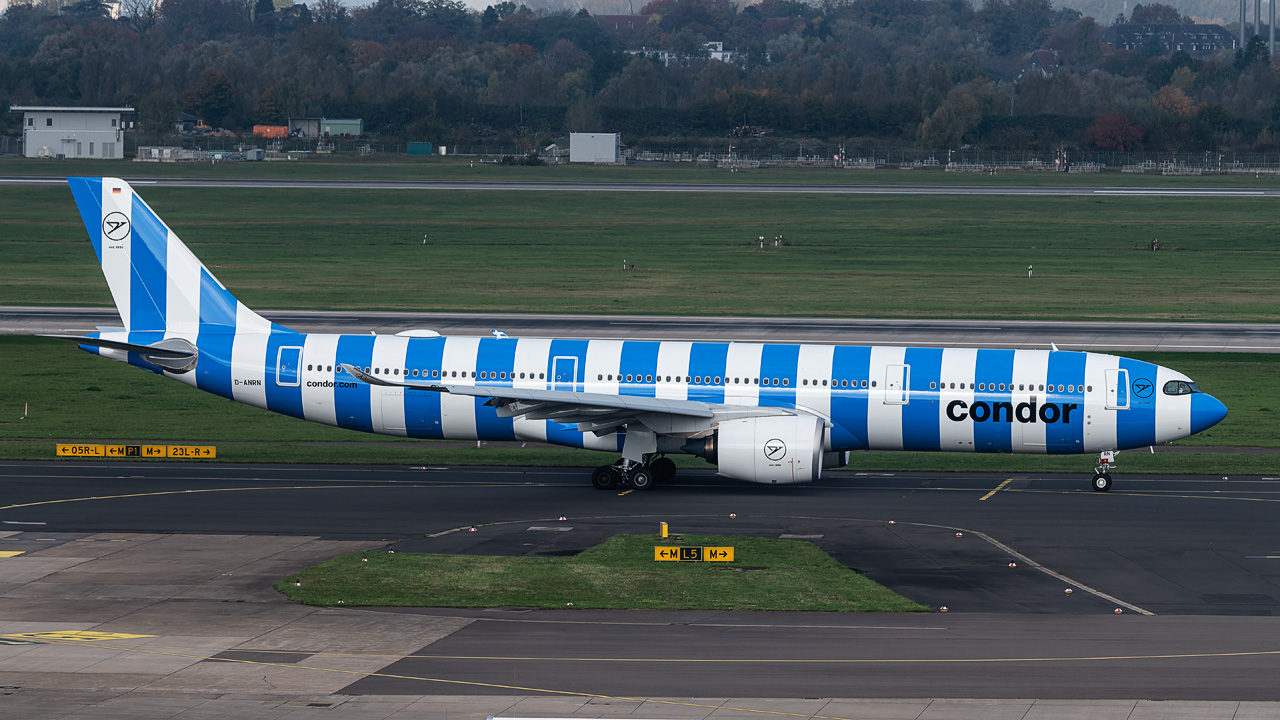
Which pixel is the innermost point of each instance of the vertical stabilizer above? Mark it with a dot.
(157, 284)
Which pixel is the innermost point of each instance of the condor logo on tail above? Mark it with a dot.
(959, 411)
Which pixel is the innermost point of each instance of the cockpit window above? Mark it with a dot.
(1180, 387)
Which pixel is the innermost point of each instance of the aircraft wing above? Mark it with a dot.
(596, 412)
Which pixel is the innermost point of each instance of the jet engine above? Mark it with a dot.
(771, 449)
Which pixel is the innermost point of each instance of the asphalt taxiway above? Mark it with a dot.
(1192, 563)
(1091, 336)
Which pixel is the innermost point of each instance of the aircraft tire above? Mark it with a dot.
(604, 478)
(663, 469)
(1101, 482)
(641, 479)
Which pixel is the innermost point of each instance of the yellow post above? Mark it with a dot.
(664, 530)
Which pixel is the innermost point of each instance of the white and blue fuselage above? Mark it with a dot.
(720, 400)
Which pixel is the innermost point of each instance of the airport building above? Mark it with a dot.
(72, 132)
(595, 147)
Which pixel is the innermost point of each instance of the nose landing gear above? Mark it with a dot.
(1101, 473)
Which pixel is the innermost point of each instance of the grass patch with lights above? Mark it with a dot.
(620, 573)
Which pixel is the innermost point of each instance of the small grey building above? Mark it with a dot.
(595, 147)
(1193, 39)
(72, 132)
(341, 127)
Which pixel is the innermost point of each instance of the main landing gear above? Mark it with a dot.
(1101, 474)
(639, 476)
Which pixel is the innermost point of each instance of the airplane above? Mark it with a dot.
(761, 412)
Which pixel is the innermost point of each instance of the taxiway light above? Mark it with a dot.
(942, 609)
(1014, 565)
(364, 559)
(733, 515)
(1118, 611)
(562, 517)
(340, 602)
(298, 584)
(472, 529)
(1068, 591)
(568, 604)
(1225, 478)
(891, 522)
(959, 534)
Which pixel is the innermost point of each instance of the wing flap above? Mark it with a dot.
(540, 400)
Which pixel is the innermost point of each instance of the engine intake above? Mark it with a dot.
(773, 449)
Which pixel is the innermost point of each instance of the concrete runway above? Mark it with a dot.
(1094, 336)
(1192, 561)
(796, 189)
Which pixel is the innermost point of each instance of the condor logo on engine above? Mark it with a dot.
(775, 449)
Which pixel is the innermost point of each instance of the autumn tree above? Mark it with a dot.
(1113, 131)
(1156, 13)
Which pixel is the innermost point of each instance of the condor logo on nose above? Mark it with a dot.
(959, 411)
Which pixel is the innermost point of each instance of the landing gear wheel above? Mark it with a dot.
(641, 478)
(605, 477)
(1101, 482)
(663, 469)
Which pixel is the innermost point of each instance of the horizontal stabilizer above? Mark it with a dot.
(175, 354)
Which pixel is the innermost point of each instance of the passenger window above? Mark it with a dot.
(628, 378)
(873, 383)
(433, 373)
(484, 375)
(786, 381)
(982, 386)
(824, 383)
(1001, 387)
(648, 378)
(1071, 388)
(503, 375)
(804, 382)
(844, 383)
(717, 379)
(1089, 388)
(542, 376)
(864, 383)
(933, 386)
(375, 371)
(600, 377)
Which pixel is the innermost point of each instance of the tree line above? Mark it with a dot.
(933, 74)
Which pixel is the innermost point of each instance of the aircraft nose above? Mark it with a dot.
(1206, 411)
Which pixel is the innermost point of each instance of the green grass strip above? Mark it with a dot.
(619, 574)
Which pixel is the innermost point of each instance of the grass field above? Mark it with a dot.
(71, 395)
(620, 573)
(887, 256)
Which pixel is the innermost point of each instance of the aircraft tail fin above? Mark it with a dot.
(157, 283)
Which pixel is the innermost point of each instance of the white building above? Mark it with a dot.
(72, 132)
(595, 147)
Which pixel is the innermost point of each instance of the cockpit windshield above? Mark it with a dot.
(1181, 387)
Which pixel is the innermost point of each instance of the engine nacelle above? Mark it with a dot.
(771, 449)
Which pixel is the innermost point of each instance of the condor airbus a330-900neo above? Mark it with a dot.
(765, 413)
